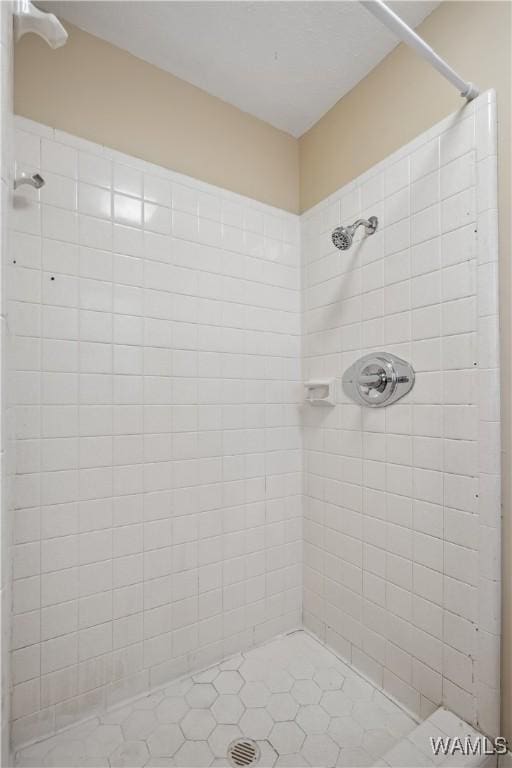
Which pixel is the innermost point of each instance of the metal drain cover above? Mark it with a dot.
(243, 752)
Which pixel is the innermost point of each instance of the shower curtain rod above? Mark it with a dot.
(393, 22)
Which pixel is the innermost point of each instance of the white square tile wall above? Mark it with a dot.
(402, 508)
(157, 380)
(158, 522)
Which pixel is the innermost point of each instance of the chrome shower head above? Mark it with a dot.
(343, 237)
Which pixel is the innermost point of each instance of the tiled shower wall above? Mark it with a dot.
(157, 380)
(402, 503)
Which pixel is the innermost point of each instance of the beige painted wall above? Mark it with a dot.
(403, 96)
(398, 100)
(99, 92)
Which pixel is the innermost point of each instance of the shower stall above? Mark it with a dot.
(402, 502)
(254, 459)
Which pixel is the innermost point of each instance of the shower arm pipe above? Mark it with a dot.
(402, 30)
(366, 223)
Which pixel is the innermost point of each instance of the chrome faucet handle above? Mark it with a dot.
(372, 380)
(378, 379)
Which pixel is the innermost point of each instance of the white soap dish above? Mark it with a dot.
(320, 392)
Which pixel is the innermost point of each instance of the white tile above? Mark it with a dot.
(58, 158)
(425, 192)
(59, 224)
(157, 190)
(127, 210)
(457, 175)
(157, 218)
(127, 180)
(457, 140)
(94, 201)
(94, 169)
(458, 210)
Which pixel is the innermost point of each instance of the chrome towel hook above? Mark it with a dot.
(36, 180)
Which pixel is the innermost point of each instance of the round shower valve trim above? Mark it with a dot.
(378, 379)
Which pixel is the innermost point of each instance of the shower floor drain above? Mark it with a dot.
(243, 752)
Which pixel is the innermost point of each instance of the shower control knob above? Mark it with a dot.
(378, 379)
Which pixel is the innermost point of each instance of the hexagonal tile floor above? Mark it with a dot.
(296, 699)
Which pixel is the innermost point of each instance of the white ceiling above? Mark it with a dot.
(284, 62)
